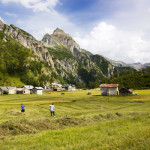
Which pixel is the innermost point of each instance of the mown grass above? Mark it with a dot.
(82, 121)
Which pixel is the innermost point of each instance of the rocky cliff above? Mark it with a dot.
(29, 42)
(59, 37)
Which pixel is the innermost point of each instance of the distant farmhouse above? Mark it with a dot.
(23, 91)
(69, 87)
(38, 90)
(3, 89)
(29, 87)
(8, 90)
(56, 87)
(109, 89)
(12, 90)
(26, 89)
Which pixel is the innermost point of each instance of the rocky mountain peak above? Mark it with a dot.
(49, 41)
(46, 35)
(60, 35)
(66, 40)
(58, 31)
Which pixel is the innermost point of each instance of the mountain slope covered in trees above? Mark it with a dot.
(18, 65)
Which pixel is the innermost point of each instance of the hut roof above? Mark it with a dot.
(38, 88)
(108, 85)
(20, 89)
(28, 86)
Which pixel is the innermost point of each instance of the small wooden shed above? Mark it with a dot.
(109, 89)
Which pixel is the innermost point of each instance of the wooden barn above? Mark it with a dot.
(109, 89)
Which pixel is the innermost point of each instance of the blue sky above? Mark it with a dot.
(117, 29)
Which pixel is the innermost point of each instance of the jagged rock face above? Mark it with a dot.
(69, 65)
(1, 25)
(59, 37)
(110, 70)
(64, 39)
(29, 42)
(49, 41)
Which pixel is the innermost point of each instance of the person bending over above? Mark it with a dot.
(23, 109)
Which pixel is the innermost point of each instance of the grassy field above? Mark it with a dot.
(82, 122)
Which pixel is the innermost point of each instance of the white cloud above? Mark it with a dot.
(116, 44)
(36, 5)
(124, 35)
(42, 23)
(11, 14)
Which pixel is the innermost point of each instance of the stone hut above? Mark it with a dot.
(109, 89)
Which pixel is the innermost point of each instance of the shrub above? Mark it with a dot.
(5, 92)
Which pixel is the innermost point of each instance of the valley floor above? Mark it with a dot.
(82, 122)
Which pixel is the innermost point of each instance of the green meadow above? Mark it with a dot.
(82, 122)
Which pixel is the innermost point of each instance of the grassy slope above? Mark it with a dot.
(123, 122)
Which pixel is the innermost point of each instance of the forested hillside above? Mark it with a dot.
(18, 65)
(132, 79)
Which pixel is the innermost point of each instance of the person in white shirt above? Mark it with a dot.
(52, 108)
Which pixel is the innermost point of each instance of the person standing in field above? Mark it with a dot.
(52, 108)
(23, 109)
